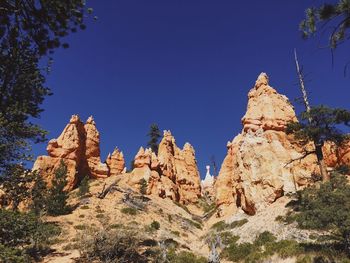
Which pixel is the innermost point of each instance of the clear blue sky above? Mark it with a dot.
(186, 65)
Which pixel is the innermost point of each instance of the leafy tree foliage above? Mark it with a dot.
(154, 135)
(318, 125)
(57, 197)
(326, 207)
(336, 15)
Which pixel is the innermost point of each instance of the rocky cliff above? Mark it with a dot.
(173, 173)
(78, 147)
(257, 168)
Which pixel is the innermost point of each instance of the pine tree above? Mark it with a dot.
(318, 125)
(154, 135)
(39, 196)
(57, 197)
(335, 15)
(84, 187)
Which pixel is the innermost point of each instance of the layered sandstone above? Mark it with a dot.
(258, 169)
(173, 173)
(78, 147)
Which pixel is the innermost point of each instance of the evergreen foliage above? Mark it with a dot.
(57, 197)
(39, 195)
(29, 31)
(143, 186)
(84, 187)
(319, 125)
(335, 15)
(16, 183)
(154, 135)
(23, 236)
(326, 207)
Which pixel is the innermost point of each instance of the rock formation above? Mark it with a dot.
(208, 184)
(172, 174)
(257, 168)
(78, 147)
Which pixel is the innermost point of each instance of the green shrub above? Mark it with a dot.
(184, 257)
(85, 207)
(264, 238)
(24, 235)
(193, 223)
(155, 225)
(57, 197)
(129, 211)
(143, 186)
(219, 226)
(100, 216)
(110, 246)
(80, 227)
(175, 233)
(322, 207)
(83, 187)
(227, 238)
(238, 223)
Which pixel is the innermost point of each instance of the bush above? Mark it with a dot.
(84, 187)
(129, 211)
(23, 235)
(325, 207)
(143, 186)
(184, 257)
(110, 246)
(155, 225)
(57, 197)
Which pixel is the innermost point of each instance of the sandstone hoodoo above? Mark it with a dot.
(79, 147)
(172, 174)
(258, 169)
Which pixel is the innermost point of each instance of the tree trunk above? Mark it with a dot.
(321, 163)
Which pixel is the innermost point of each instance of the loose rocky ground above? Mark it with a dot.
(123, 208)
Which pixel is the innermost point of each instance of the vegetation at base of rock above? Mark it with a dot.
(155, 225)
(206, 205)
(143, 186)
(326, 207)
(84, 187)
(111, 246)
(221, 225)
(184, 257)
(57, 196)
(24, 236)
(129, 210)
(265, 246)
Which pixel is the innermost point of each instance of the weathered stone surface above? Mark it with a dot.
(257, 168)
(92, 151)
(116, 162)
(78, 147)
(172, 174)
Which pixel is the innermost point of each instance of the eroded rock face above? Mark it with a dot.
(116, 162)
(257, 168)
(172, 174)
(78, 147)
